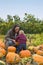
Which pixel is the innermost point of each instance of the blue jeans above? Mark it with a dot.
(10, 43)
(21, 46)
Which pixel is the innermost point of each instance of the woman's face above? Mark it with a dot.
(16, 29)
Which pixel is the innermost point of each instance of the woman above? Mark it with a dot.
(11, 35)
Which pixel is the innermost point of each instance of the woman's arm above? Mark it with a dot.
(9, 36)
(17, 38)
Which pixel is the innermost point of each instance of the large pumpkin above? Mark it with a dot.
(38, 58)
(2, 44)
(2, 63)
(40, 52)
(3, 51)
(12, 57)
(25, 53)
(11, 49)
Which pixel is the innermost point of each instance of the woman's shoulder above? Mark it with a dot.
(9, 31)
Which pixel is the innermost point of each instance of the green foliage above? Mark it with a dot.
(2, 63)
(29, 24)
(25, 60)
(35, 39)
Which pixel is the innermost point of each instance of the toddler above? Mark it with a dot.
(21, 39)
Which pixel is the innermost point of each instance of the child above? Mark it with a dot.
(21, 39)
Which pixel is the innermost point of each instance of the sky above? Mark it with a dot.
(19, 7)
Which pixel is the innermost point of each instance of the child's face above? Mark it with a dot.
(19, 32)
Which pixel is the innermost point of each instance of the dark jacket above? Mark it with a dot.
(21, 38)
(10, 35)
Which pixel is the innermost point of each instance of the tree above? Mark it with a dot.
(30, 24)
(1, 20)
(29, 18)
(9, 18)
(16, 18)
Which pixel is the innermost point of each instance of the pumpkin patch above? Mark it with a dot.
(25, 57)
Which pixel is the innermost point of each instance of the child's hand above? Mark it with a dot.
(17, 43)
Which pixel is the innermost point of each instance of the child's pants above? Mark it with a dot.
(21, 46)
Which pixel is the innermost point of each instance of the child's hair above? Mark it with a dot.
(21, 32)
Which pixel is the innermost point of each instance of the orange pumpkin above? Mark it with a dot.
(25, 53)
(3, 51)
(35, 49)
(40, 52)
(2, 44)
(40, 63)
(11, 49)
(41, 47)
(38, 58)
(12, 57)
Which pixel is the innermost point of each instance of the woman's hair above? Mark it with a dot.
(16, 25)
(21, 32)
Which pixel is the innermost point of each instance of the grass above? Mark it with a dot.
(2, 37)
(36, 39)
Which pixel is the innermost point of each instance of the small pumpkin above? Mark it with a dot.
(37, 58)
(39, 52)
(3, 51)
(2, 63)
(40, 63)
(35, 49)
(25, 53)
(11, 49)
(12, 57)
(2, 45)
(41, 47)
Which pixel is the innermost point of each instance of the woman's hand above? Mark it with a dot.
(14, 41)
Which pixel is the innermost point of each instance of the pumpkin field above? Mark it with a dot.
(33, 55)
(21, 32)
